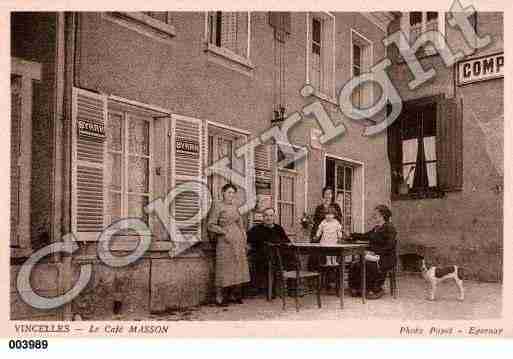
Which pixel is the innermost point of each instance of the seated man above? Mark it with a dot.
(258, 236)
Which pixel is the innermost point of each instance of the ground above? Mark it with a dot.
(482, 301)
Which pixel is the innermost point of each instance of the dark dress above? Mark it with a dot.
(314, 261)
(258, 236)
(382, 241)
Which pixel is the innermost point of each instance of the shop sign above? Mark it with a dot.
(481, 69)
(186, 147)
(91, 129)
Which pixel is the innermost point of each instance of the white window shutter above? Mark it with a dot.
(187, 155)
(88, 166)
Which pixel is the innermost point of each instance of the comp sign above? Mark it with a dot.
(481, 69)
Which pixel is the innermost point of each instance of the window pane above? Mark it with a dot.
(138, 174)
(340, 177)
(139, 132)
(116, 171)
(316, 30)
(287, 188)
(410, 148)
(114, 132)
(430, 148)
(115, 206)
(409, 174)
(158, 15)
(431, 173)
(287, 216)
(316, 49)
(357, 55)
(356, 71)
(415, 17)
(349, 178)
(136, 205)
(432, 15)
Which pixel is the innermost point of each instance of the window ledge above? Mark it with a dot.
(229, 58)
(428, 194)
(143, 23)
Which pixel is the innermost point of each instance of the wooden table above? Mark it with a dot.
(342, 250)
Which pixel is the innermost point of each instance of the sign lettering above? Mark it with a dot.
(481, 69)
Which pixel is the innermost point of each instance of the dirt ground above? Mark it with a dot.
(482, 301)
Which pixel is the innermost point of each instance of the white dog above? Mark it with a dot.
(435, 275)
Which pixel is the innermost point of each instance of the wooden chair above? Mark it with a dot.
(325, 270)
(297, 276)
(392, 274)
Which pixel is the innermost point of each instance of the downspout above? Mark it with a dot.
(70, 19)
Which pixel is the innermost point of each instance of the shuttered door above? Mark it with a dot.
(449, 145)
(88, 190)
(186, 165)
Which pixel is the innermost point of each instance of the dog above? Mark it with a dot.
(435, 275)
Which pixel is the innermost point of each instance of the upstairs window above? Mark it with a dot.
(361, 62)
(415, 23)
(425, 148)
(321, 53)
(230, 31)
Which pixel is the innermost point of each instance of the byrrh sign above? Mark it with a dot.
(481, 68)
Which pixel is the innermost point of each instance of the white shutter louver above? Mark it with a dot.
(186, 165)
(88, 190)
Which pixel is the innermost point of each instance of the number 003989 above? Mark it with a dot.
(28, 344)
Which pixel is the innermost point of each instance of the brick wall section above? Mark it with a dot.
(465, 228)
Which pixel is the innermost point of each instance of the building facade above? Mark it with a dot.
(452, 208)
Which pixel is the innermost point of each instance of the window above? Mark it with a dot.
(229, 30)
(418, 142)
(361, 62)
(156, 24)
(415, 23)
(425, 148)
(320, 54)
(129, 165)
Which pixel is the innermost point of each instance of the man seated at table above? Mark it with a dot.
(258, 236)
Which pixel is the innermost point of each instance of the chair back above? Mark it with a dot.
(279, 252)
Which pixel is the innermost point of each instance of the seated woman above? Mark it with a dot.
(380, 259)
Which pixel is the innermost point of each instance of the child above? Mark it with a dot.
(330, 231)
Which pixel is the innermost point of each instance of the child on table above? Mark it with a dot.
(330, 231)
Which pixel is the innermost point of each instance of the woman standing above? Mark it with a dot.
(381, 257)
(232, 269)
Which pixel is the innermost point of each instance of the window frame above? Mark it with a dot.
(433, 192)
(144, 24)
(428, 50)
(128, 115)
(365, 45)
(224, 56)
(329, 53)
(358, 199)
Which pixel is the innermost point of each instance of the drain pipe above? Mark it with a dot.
(66, 275)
